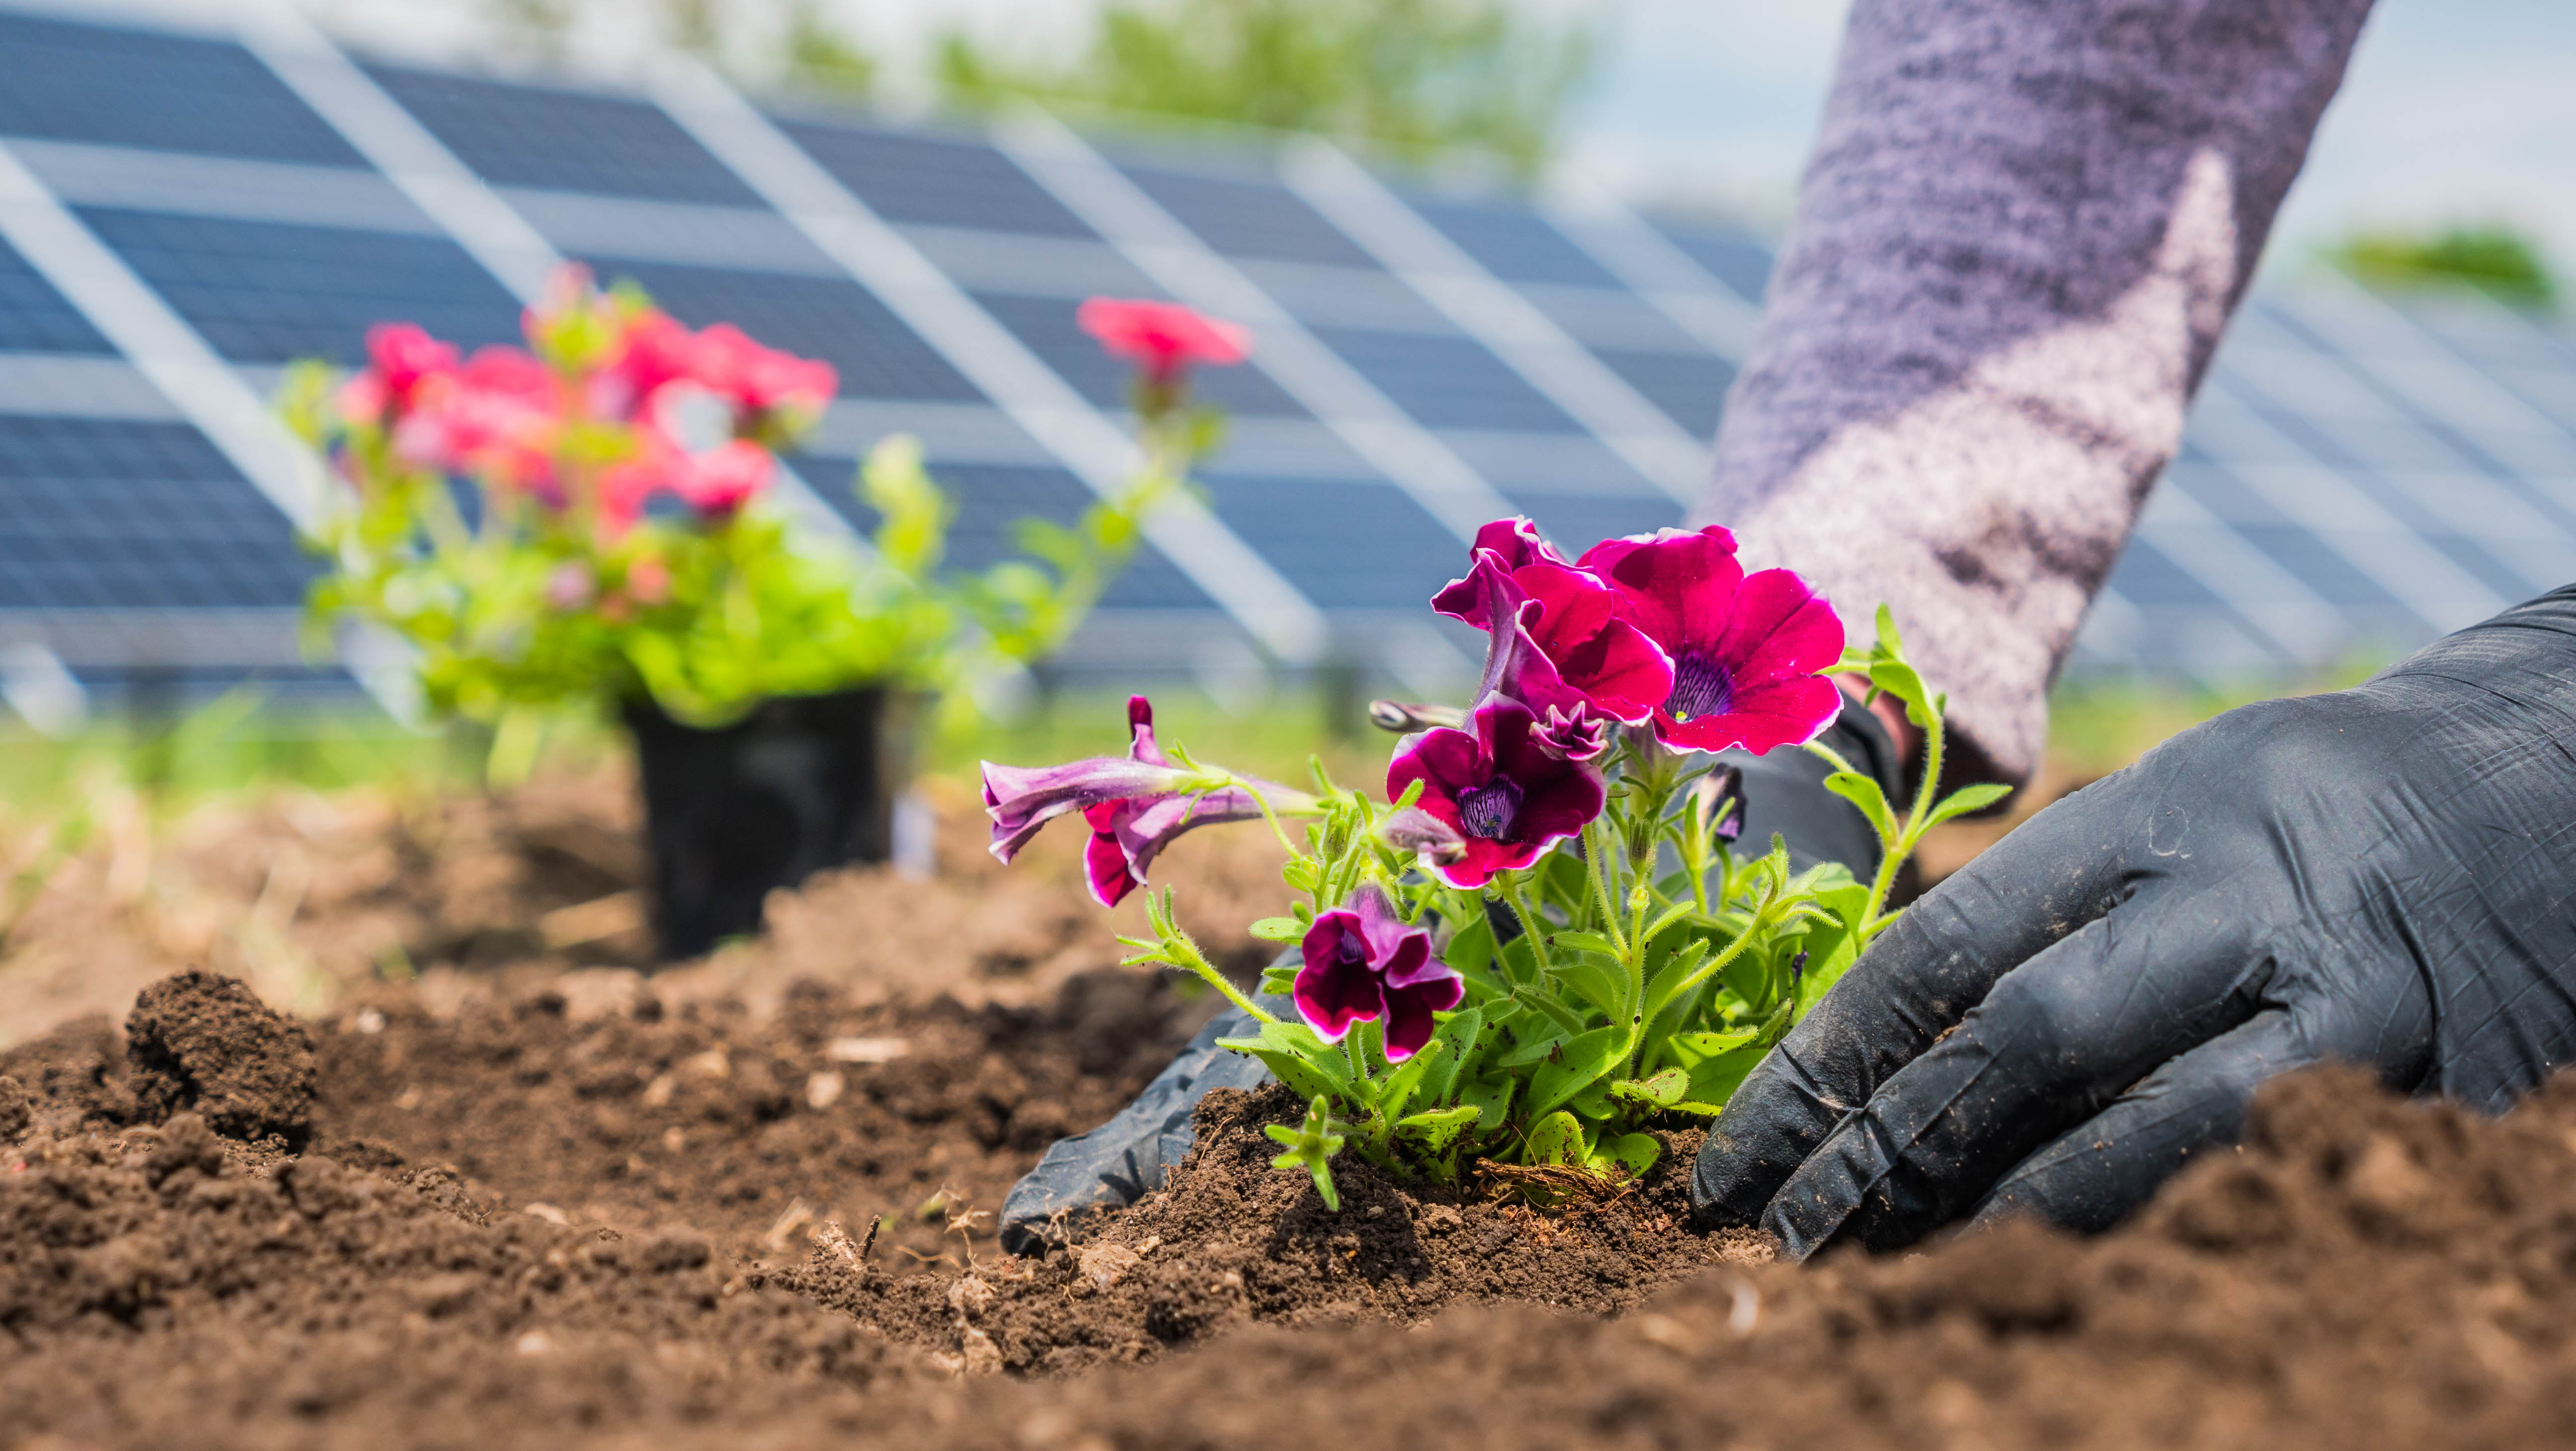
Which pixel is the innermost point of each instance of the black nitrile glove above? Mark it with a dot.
(1119, 1162)
(2381, 876)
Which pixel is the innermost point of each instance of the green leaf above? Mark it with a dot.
(1709, 1045)
(1311, 1145)
(1459, 1035)
(1583, 942)
(1635, 1153)
(1491, 1098)
(1471, 947)
(1901, 680)
(1279, 929)
(1967, 799)
(1864, 793)
(1888, 640)
(1300, 1075)
(1661, 1090)
(1435, 1129)
(1599, 983)
(1554, 1139)
(1584, 1059)
(1531, 1050)
(1714, 1080)
(1278, 981)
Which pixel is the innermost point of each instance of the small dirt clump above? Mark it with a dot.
(205, 1043)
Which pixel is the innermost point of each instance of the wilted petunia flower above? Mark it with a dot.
(1499, 788)
(1746, 649)
(1363, 964)
(1135, 805)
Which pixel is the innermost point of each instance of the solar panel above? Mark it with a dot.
(935, 180)
(519, 135)
(1447, 382)
(2357, 476)
(34, 318)
(111, 514)
(73, 82)
(1348, 546)
(1514, 243)
(270, 292)
(1249, 218)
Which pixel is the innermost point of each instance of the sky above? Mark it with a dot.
(2454, 110)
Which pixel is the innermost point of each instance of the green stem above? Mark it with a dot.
(1903, 847)
(1533, 926)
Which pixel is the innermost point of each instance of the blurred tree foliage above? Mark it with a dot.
(1410, 76)
(2494, 259)
(765, 42)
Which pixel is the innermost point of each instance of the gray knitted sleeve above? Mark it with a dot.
(2023, 228)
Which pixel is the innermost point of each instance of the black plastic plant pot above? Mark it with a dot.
(800, 784)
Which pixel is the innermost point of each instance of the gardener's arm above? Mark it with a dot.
(2024, 225)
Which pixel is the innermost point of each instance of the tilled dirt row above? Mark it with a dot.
(597, 1218)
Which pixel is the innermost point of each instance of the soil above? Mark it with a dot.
(534, 1200)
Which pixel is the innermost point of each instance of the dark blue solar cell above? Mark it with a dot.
(514, 135)
(34, 318)
(67, 81)
(1249, 218)
(1047, 325)
(1514, 243)
(2146, 578)
(814, 317)
(1447, 382)
(1344, 545)
(936, 181)
(1691, 390)
(2318, 565)
(1576, 522)
(270, 292)
(1740, 262)
(98, 514)
(990, 501)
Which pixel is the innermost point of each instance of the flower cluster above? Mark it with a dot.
(619, 404)
(1542, 941)
(583, 520)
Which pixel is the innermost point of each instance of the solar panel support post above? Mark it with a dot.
(879, 258)
(1362, 416)
(1495, 314)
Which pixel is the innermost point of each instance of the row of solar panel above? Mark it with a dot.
(2295, 432)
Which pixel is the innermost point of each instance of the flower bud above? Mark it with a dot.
(1414, 830)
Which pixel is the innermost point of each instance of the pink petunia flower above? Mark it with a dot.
(1363, 964)
(1163, 338)
(1506, 795)
(1746, 649)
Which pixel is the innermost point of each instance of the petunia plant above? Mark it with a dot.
(591, 518)
(1546, 938)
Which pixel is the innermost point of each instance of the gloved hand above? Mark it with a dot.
(2383, 875)
(1119, 1162)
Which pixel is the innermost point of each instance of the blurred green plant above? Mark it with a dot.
(2493, 258)
(1411, 77)
(794, 43)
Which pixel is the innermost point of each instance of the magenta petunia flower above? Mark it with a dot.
(1560, 642)
(1505, 794)
(1746, 649)
(1363, 964)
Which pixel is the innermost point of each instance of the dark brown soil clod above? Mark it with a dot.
(200, 1042)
